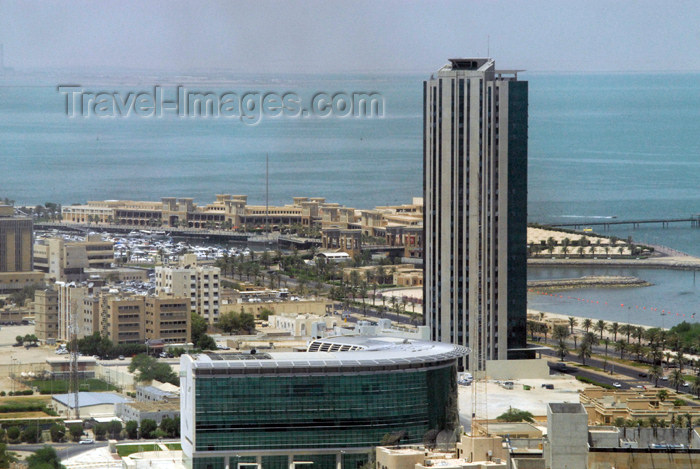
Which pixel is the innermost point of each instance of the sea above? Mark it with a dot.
(602, 146)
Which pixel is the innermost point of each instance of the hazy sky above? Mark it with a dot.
(318, 36)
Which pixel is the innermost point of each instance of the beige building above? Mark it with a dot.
(46, 314)
(342, 239)
(16, 237)
(199, 283)
(68, 261)
(605, 406)
(399, 225)
(122, 318)
(168, 318)
(317, 307)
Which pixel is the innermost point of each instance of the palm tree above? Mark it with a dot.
(587, 324)
(663, 395)
(680, 359)
(655, 374)
(614, 328)
(655, 355)
(560, 333)
(676, 379)
(572, 323)
(621, 346)
(600, 327)
(695, 387)
(584, 351)
(638, 333)
(626, 329)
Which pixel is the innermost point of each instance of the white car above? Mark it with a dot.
(87, 441)
(617, 385)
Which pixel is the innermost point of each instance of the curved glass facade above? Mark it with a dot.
(322, 411)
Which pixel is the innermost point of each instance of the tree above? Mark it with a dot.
(621, 346)
(587, 324)
(132, 429)
(30, 434)
(626, 329)
(199, 333)
(45, 458)
(572, 323)
(6, 457)
(100, 431)
(676, 379)
(600, 327)
(115, 428)
(20, 339)
(662, 395)
(237, 323)
(516, 415)
(13, 434)
(655, 374)
(148, 428)
(58, 432)
(76, 431)
(560, 334)
(614, 328)
(150, 369)
(695, 387)
(171, 427)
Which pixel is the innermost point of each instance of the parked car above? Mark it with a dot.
(87, 441)
(121, 357)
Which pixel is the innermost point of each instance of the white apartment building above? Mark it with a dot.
(199, 283)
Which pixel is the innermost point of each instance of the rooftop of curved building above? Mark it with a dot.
(348, 351)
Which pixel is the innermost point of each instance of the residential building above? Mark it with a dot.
(46, 314)
(168, 318)
(475, 195)
(199, 283)
(329, 405)
(122, 318)
(16, 237)
(76, 309)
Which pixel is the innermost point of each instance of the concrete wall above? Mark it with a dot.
(517, 369)
(642, 460)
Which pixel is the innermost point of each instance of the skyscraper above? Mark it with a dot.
(475, 196)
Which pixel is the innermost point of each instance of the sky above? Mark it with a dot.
(332, 36)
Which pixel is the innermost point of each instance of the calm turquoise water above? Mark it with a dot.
(601, 145)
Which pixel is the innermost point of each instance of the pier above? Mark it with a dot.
(664, 222)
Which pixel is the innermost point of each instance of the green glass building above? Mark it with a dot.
(324, 408)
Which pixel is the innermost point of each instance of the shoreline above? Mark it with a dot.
(580, 319)
(589, 281)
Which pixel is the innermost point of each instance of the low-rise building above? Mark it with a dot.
(609, 407)
(67, 261)
(153, 410)
(91, 404)
(59, 367)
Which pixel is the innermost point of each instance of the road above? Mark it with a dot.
(630, 375)
(64, 450)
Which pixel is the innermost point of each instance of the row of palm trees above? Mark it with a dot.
(653, 351)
